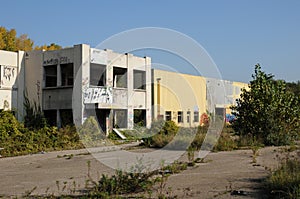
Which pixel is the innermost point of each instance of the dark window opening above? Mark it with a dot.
(188, 116)
(180, 117)
(196, 116)
(50, 76)
(120, 118)
(120, 77)
(139, 79)
(102, 117)
(139, 117)
(66, 117)
(97, 75)
(50, 116)
(220, 112)
(168, 115)
(67, 74)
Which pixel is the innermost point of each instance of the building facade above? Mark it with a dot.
(183, 98)
(120, 90)
(12, 82)
(81, 81)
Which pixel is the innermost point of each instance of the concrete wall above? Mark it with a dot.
(12, 81)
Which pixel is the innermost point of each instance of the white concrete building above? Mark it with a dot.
(12, 82)
(116, 88)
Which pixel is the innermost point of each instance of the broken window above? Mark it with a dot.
(67, 74)
(139, 79)
(120, 118)
(50, 76)
(120, 77)
(97, 75)
(168, 115)
(179, 116)
(139, 117)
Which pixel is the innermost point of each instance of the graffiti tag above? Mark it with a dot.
(98, 95)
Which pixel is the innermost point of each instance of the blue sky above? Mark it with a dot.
(236, 33)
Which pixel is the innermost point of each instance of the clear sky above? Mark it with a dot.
(236, 33)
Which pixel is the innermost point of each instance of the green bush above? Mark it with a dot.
(285, 181)
(18, 140)
(163, 133)
(123, 183)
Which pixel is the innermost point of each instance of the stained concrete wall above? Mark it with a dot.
(12, 82)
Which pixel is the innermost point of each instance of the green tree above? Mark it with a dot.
(267, 111)
(294, 87)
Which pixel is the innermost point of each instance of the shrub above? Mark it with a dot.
(163, 133)
(285, 181)
(123, 183)
(18, 140)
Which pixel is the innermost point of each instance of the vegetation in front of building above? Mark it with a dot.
(268, 111)
(16, 139)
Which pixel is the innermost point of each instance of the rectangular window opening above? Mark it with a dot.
(120, 118)
(66, 117)
(50, 75)
(180, 117)
(67, 74)
(139, 117)
(51, 117)
(168, 115)
(120, 77)
(97, 75)
(188, 116)
(196, 116)
(139, 79)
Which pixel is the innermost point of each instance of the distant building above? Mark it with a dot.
(183, 98)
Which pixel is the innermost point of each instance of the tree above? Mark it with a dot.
(10, 42)
(267, 111)
(294, 87)
(52, 46)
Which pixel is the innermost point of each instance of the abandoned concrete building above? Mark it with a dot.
(120, 90)
(90, 82)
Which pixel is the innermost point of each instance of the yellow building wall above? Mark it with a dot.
(179, 92)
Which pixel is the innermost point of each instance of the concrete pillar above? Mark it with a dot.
(81, 74)
(58, 73)
(21, 85)
(148, 92)
(130, 113)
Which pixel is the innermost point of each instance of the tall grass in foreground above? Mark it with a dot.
(285, 181)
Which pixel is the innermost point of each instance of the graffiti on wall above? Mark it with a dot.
(55, 61)
(8, 72)
(101, 95)
(38, 89)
